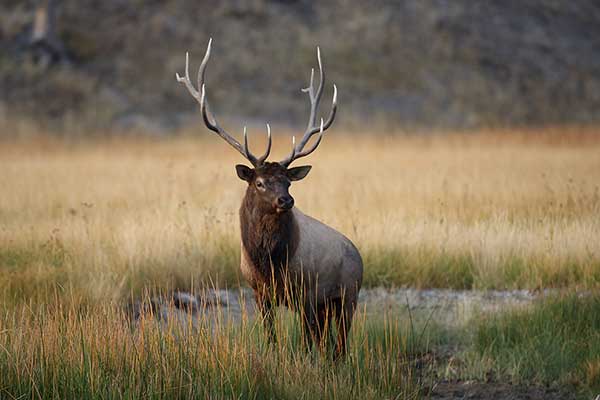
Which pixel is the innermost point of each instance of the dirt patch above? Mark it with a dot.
(498, 391)
(449, 308)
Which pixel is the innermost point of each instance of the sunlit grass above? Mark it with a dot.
(105, 218)
(97, 352)
(87, 226)
(558, 341)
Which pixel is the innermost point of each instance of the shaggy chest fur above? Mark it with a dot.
(270, 239)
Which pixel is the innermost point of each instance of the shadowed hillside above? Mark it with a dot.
(413, 64)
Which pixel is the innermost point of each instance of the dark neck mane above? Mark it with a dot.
(269, 238)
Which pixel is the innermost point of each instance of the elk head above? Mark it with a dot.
(268, 182)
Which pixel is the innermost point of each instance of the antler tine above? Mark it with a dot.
(312, 148)
(186, 79)
(311, 129)
(293, 154)
(213, 125)
(260, 160)
(320, 88)
(203, 64)
(263, 158)
(247, 152)
(315, 98)
(330, 117)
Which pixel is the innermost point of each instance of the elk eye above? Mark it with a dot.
(259, 184)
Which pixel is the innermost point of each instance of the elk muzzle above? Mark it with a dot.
(284, 203)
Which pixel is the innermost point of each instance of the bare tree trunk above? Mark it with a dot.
(45, 44)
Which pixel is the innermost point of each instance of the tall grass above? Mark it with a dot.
(558, 341)
(86, 226)
(104, 218)
(95, 352)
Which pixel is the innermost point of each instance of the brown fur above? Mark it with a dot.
(270, 238)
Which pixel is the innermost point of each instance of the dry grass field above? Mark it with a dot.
(105, 219)
(86, 226)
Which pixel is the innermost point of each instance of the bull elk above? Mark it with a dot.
(284, 251)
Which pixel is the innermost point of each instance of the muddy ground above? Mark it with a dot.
(497, 391)
(446, 307)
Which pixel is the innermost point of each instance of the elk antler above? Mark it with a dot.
(298, 150)
(213, 125)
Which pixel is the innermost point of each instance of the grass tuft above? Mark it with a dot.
(556, 341)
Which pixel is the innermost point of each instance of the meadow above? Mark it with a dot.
(87, 225)
(108, 218)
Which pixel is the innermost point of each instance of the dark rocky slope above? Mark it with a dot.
(426, 63)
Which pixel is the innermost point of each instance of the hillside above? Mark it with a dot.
(414, 64)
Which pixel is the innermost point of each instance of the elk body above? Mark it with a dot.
(288, 257)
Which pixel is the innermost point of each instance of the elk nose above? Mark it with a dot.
(285, 202)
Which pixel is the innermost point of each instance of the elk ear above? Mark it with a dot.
(297, 173)
(245, 173)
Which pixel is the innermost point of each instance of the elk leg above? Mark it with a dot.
(344, 310)
(310, 325)
(267, 312)
(328, 318)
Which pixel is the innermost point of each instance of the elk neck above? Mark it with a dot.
(269, 238)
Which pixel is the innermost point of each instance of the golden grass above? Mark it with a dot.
(100, 219)
(97, 353)
(85, 225)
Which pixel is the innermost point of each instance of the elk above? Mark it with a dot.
(288, 257)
